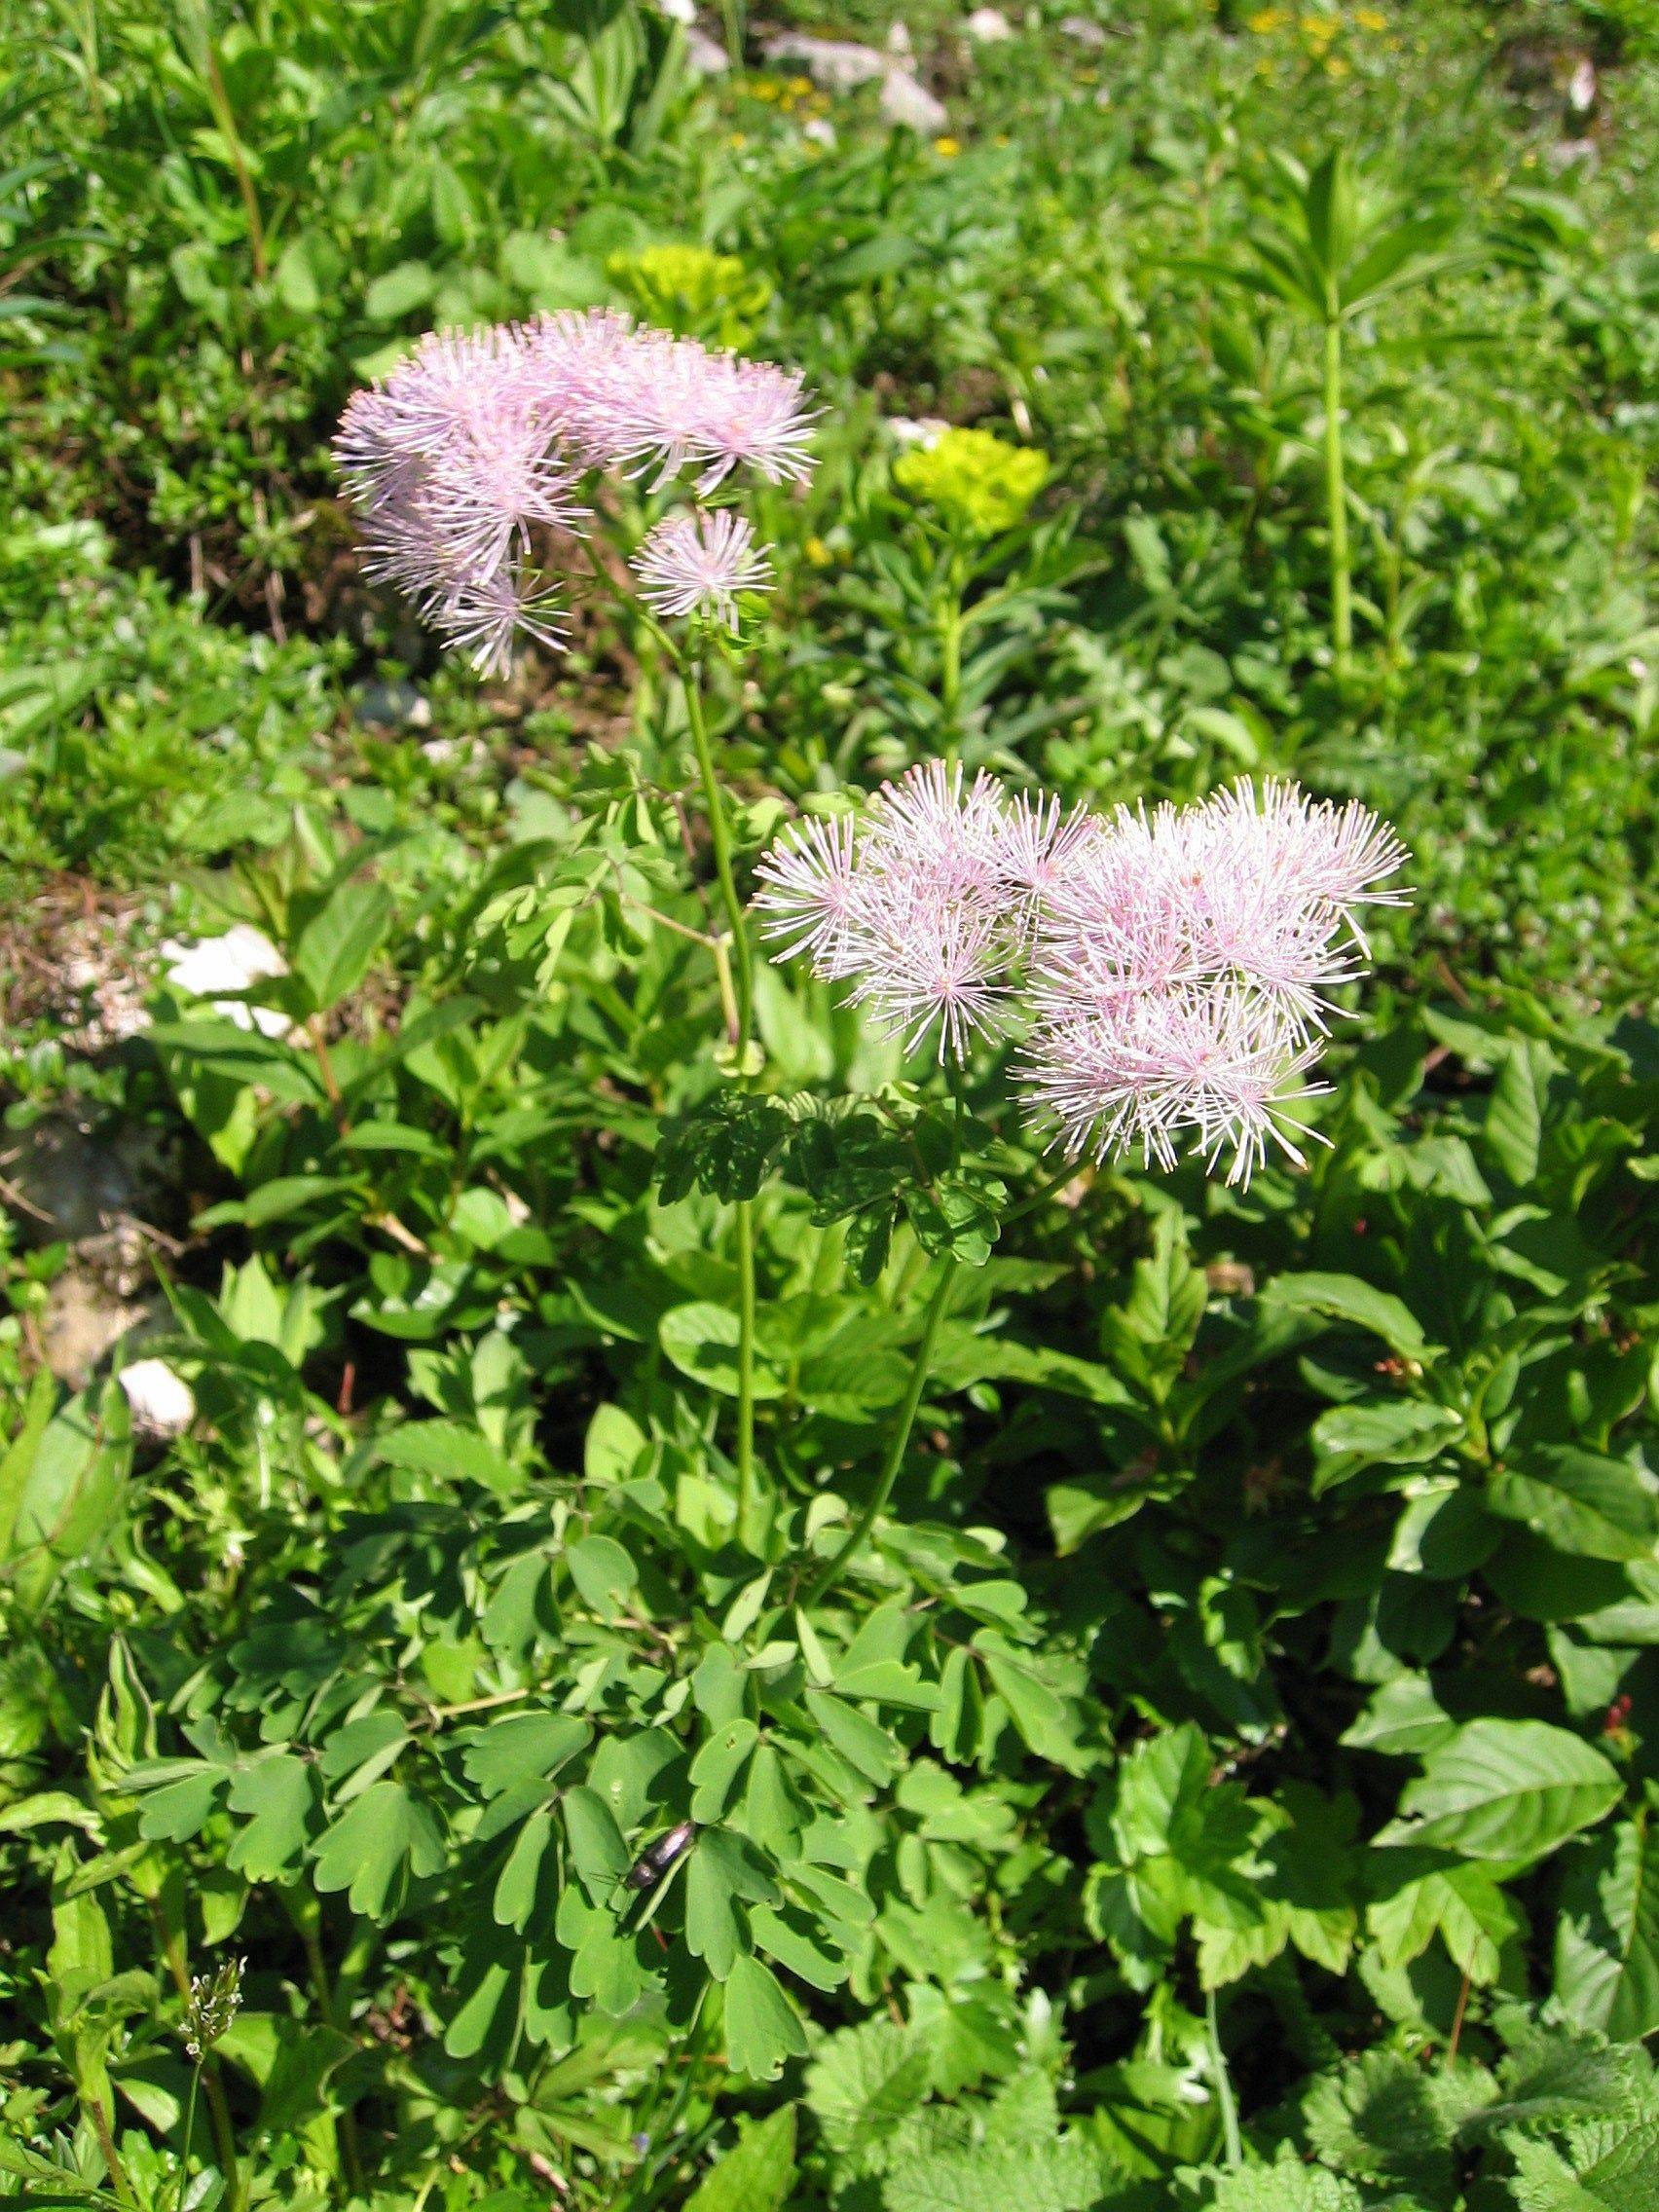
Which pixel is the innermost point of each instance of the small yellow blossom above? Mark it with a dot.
(1265, 20)
(1653, 240)
(819, 554)
(737, 140)
(800, 87)
(1334, 65)
(948, 147)
(1371, 19)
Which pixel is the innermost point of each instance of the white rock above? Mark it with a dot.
(162, 1402)
(987, 25)
(705, 56)
(907, 101)
(837, 65)
(241, 957)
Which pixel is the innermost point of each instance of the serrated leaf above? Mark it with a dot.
(861, 2085)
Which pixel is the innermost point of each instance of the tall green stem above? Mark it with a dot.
(1229, 2135)
(830, 1574)
(189, 2129)
(950, 623)
(745, 1365)
(1336, 500)
(720, 837)
(743, 964)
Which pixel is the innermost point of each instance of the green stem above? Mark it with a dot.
(1223, 2085)
(189, 2128)
(224, 2134)
(1042, 1192)
(224, 115)
(743, 960)
(830, 1573)
(950, 620)
(743, 967)
(1335, 500)
(653, 2160)
(745, 1364)
(350, 2153)
(94, 2107)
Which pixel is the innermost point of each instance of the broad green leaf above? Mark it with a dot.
(1606, 1954)
(1345, 1298)
(450, 1450)
(523, 1746)
(712, 1931)
(762, 2028)
(598, 1852)
(718, 1765)
(756, 2174)
(1580, 1503)
(1040, 1715)
(280, 1799)
(603, 1571)
(520, 1879)
(383, 1837)
(1506, 1789)
(1516, 1111)
(701, 1339)
(334, 950)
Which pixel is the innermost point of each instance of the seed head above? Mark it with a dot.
(213, 2002)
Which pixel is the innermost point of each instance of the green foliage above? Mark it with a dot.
(1248, 1667)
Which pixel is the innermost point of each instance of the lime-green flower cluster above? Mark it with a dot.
(694, 291)
(974, 481)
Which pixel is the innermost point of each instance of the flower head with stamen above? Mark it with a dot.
(699, 564)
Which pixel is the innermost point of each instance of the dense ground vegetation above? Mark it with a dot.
(1227, 1781)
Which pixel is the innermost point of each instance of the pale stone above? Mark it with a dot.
(163, 1403)
(241, 957)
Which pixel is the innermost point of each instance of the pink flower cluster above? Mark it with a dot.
(1172, 970)
(477, 446)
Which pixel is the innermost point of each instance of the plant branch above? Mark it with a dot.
(830, 1574)
(1234, 2147)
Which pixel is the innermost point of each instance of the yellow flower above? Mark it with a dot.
(1265, 21)
(1371, 19)
(801, 87)
(975, 480)
(1334, 65)
(948, 147)
(1653, 240)
(737, 140)
(819, 554)
(764, 88)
